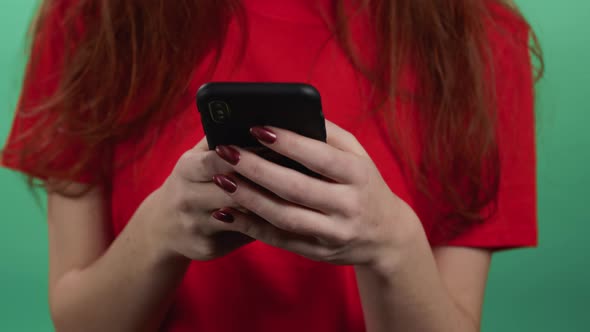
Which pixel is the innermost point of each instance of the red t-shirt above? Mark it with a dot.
(261, 288)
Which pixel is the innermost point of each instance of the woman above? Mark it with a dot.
(430, 163)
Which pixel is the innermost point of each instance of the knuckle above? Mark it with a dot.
(351, 205)
(255, 171)
(213, 199)
(228, 201)
(184, 206)
(191, 159)
(176, 197)
(343, 236)
(203, 250)
(206, 197)
(189, 215)
(186, 198)
(275, 241)
(194, 220)
(322, 254)
(296, 192)
(291, 144)
(351, 138)
(251, 202)
(211, 161)
(185, 157)
(190, 165)
(290, 225)
(199, 165)
(248, 201)
(366, 171)
(354, 142)
(325, 165)
(354, 210)
(188, 225)
(362, 171)
(249, 229)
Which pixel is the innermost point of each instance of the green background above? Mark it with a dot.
(544, 289)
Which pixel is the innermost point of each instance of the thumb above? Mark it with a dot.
(342, 139)
(203, 145)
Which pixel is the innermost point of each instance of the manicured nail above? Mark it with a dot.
(225, 183)
(228, 154)
(223, 215)
(264, 135)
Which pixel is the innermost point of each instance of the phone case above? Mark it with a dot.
(229, 110)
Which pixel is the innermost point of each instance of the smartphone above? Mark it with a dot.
(229, 110)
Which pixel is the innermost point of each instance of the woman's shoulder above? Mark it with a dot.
(509, 36)
(505, 20)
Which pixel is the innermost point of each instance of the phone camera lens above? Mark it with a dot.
(219, 111)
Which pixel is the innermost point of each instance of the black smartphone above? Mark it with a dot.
(229, 109)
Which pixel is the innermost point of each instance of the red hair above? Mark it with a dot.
(124, 44)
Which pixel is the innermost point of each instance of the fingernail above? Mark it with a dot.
(223, 215)
(263, 134)
(225, 183)
(228, 154)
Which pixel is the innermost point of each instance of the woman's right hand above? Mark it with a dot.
(179, 213)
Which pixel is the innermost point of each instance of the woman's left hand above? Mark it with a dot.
(351, 219)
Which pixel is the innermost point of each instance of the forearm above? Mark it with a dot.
(406, 293)
(127, 289)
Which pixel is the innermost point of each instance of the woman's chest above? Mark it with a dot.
(142, 165)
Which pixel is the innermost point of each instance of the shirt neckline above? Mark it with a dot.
(309, 12)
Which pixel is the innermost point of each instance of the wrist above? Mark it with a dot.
(399, 247)
(151, 220)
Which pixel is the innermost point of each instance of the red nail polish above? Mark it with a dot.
(264, 135)
(225, 183)
(224, 215)
(228, 154)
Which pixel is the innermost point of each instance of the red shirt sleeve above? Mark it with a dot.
(515, 222)
(41, 81)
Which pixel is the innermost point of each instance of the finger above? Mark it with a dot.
(318, 156)
(257, 228)
(280, 213)
(203, 145)
(208, 196)
(342, 139)
(201, 166)
(232, 220)
(291, 185)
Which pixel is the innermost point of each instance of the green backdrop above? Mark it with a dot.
(544, 289)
